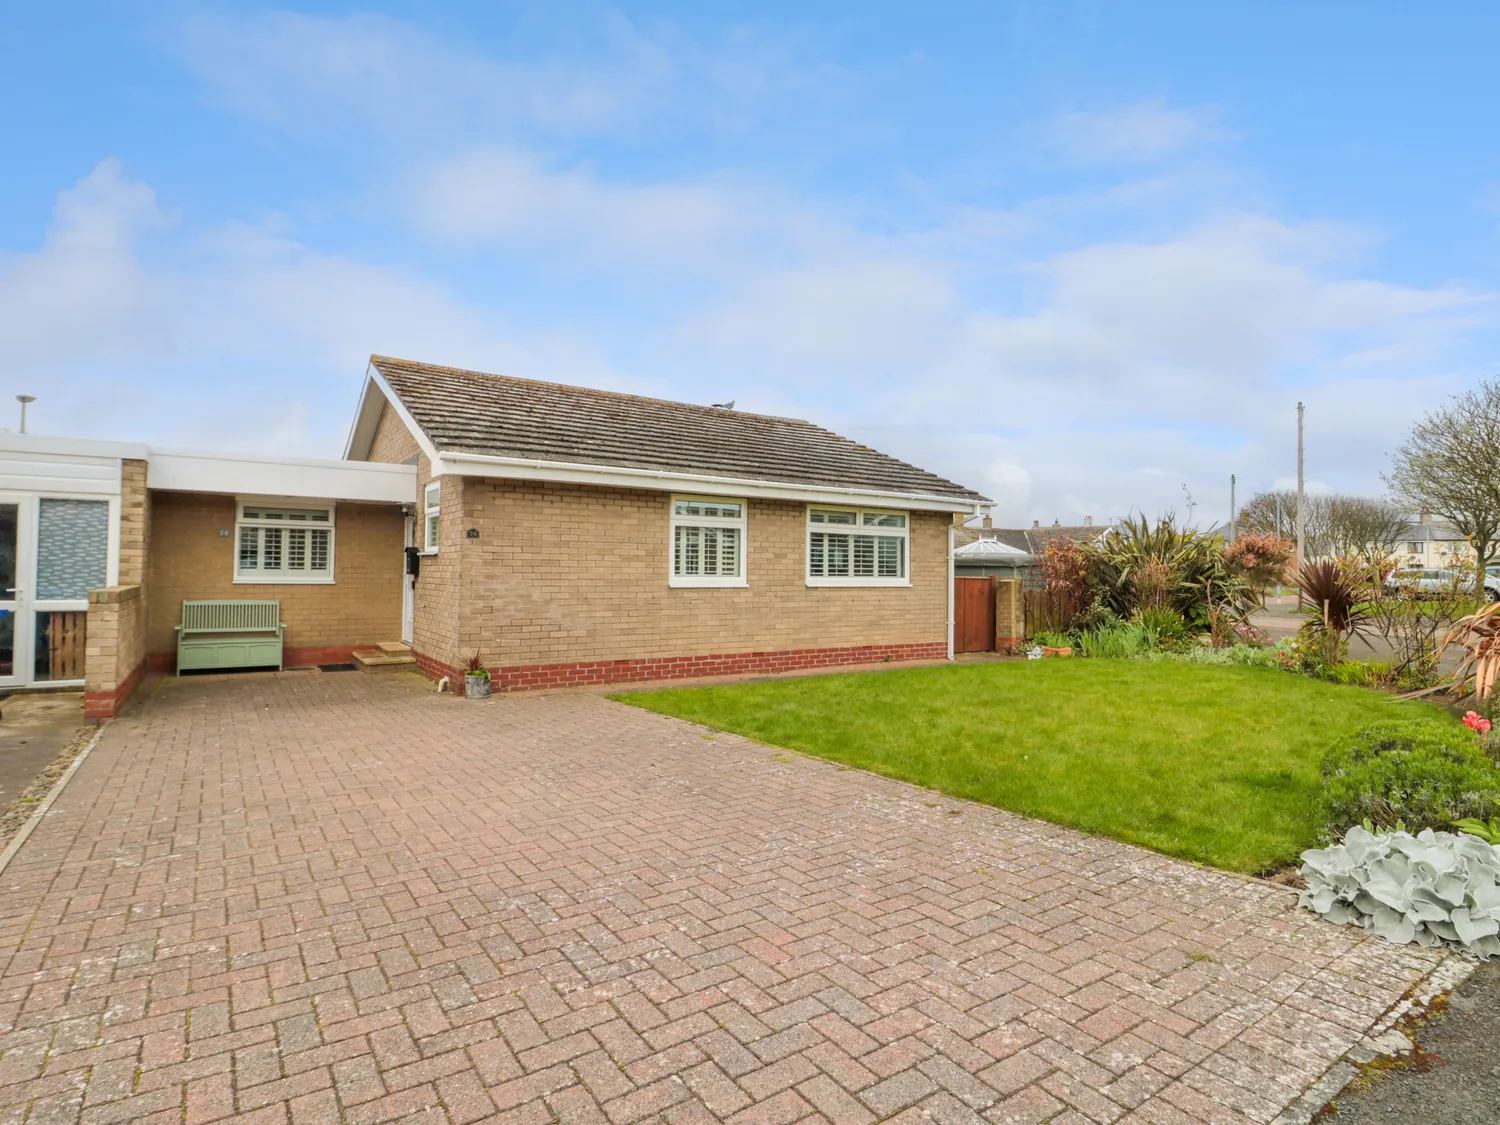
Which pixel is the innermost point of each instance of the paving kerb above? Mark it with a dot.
(349, 896)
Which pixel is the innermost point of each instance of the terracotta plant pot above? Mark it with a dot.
(1057, 651)
(476, 687)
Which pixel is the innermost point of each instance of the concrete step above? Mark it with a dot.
(375, 660)
(394, 648)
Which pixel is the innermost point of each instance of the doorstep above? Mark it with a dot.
(386, 654)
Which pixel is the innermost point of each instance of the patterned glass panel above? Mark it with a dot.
(72, 548)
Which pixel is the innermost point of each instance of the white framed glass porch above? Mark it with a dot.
(54, 549)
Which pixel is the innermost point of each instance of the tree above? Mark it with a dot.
(1358, 525)
(1450, 465)
(1336, 524)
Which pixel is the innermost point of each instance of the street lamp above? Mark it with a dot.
(23, 400)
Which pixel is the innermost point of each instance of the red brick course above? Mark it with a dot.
(103, 705)
(301, 898)
(530, 677)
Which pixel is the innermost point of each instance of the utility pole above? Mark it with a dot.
(1301, 505)
(23, 400)
(1232, 513)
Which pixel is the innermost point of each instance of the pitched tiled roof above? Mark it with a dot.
(471, 412)
(1040, 537)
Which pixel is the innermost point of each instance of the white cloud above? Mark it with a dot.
(299, 71)
(236, 337)
(504, 195)
(862, 314)
(1145, 130)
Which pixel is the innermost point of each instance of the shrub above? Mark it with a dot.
(1165, 627)
(1139, 565)
(1431, 888)
(1066, 591)
(1124, 639)
(1051, 639)
(1409, 774)
(1260, 558)
(1254, 656)
(1360, 673)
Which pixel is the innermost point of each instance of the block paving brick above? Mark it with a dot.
(306, 898)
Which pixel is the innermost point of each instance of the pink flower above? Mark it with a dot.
(1476, 722)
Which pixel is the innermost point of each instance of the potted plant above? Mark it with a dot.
(476, 678)
(1054, 644)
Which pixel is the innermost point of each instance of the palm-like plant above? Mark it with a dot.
(1479, 635)
(1141, 565)
(1338, 595)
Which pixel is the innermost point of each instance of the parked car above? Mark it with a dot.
(1440, 581)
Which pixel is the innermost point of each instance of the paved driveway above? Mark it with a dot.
(323, 898)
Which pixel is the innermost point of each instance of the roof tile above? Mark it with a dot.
(472, 412)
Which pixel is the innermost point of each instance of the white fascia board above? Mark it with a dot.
(366, 418)
(515, 468)
(244, 474)
(360, 437)
(37, 444)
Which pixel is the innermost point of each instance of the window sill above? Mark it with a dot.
(708, 583)
(262, 580)
(427, 554)
(858, 583)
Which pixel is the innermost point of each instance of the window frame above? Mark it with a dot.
(856, 528)
(432, 535)
(741, 523)
(284, 577)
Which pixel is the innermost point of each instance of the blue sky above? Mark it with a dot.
(1085, 257)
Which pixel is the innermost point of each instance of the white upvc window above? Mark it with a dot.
(431, 524)
(707, 546)
(857, 547)
(283, 543)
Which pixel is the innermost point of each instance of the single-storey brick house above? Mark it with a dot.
(567, 535)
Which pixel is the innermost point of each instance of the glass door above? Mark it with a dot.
(53, 551)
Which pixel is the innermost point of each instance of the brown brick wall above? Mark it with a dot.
(1010, 614)
(114, 648)
(570, 573)
(437, 606)
(192, 562)
(135, 523)
(392, 442)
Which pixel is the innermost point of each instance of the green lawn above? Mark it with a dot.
(1212, 763)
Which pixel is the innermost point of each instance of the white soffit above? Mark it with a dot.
(244, 474)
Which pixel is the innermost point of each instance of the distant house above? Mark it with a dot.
(1429, 543)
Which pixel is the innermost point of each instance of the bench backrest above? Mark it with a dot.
(230, 617)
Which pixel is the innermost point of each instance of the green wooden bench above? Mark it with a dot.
(229, 634)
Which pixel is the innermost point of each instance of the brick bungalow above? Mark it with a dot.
(567, 535)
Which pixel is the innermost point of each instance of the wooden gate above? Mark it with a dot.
(65, 645)
(973, 614)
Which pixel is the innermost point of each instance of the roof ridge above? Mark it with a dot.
(717, 411)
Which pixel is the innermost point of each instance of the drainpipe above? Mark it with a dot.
(950, 589)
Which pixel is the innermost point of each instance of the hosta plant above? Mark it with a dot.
(1432, 888)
